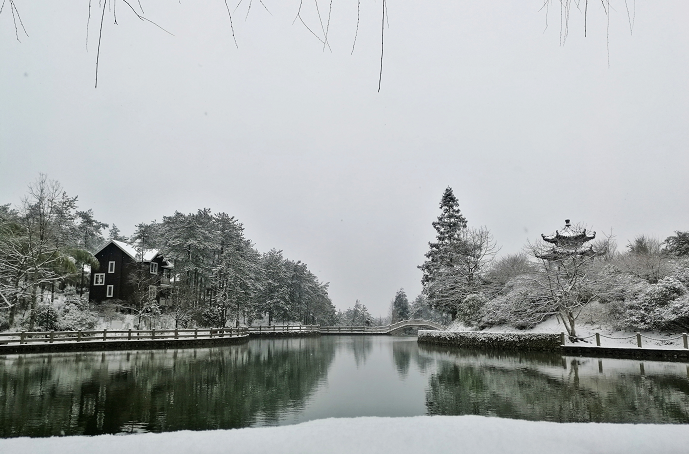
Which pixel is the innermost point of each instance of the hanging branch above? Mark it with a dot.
(100, 36)
(382, 46)
(231, 25)
(356, 32)
(15, 16)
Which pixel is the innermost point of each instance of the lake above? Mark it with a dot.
(279, 381)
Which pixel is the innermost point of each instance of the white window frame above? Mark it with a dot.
(109, 291)
(152, 292)
(99, 279)
(111, 267)
(154, 268)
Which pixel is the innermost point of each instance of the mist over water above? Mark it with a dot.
(287, 381)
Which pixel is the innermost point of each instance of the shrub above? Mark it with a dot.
(45, 318)
(469, 311)
(659, 306)
(75, 317)
(522, 306)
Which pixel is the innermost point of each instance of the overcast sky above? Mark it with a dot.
(297, 143)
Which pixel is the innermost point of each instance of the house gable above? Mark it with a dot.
(117, 261)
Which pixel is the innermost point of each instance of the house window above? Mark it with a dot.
(109, 291)
(99, 279)
(152, 292)
(154, 268)
(111, 267)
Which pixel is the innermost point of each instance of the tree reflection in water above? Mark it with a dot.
(217, 388)
(282, 381)
(555, 388)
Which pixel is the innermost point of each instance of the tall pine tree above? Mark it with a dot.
(439, 282)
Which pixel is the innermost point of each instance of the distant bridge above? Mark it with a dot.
(387, 329)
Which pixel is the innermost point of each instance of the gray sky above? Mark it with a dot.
(297, 143)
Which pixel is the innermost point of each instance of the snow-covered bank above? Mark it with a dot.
(609, 337)
(437, 434)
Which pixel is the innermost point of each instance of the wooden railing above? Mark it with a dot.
(25, 337)
(284, 329)
(387, 329)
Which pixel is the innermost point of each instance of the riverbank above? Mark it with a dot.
(593, 340)
(439, 434)
(586, 332)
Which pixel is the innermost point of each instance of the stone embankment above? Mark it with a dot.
(549, 342)
(494, 341)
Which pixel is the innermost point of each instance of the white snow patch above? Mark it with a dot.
(433, 434)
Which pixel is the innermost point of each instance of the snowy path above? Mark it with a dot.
(437, 434)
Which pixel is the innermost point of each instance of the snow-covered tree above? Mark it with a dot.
(355, 316)
(569, 276)
(36, 245)
(456, 261)
(115, 234)
(678, 244)
(420, 309)
(400, 307)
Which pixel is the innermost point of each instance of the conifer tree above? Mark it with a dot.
(437, 269)
(400, 307)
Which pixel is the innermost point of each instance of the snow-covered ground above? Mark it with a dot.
(434, 434)
(609, 337)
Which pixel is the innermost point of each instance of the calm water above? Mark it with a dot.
(286, 381)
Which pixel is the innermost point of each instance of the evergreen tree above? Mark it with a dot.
(115, 234)
(456, 262)
(400, 307)
(90, 236)
(439, 282)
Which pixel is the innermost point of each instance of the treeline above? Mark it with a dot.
(47, 245)
(644, 287)
(219, 277)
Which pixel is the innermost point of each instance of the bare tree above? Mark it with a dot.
(570, 276)
(646, 259)
(34, 246)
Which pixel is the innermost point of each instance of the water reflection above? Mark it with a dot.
(286, 381)
(94, 393)
(554, 388)
(360, 346)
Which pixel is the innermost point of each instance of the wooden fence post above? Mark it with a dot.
(597, 340)
(52, 336)
(562, 338)
(153, 333)
(105, 334)
(79, 336)
(638, 339)
(22, 337)
(176, 333)
(129, 334)
(196, 333)
(684, 338)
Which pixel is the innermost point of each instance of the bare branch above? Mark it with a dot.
(100, 36)
(356, 32)
(231, 25)
(382, 46)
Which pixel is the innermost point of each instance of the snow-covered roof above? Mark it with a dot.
(134, 253)
(569, 236)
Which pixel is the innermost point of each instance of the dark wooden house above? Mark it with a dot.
(125, 270)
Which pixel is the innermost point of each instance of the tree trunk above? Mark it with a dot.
(32, 317)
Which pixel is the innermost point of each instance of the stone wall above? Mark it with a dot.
(493, 341)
